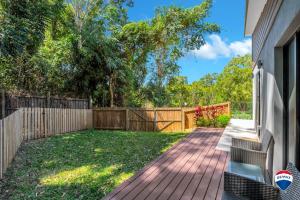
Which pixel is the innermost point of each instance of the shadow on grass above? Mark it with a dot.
(85, 165)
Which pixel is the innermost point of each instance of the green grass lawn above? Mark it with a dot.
(241, 115)
(84, 165)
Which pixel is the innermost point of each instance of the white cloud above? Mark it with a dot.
(216, 48)
(241, 47)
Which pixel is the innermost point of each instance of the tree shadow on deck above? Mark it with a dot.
(196, 167)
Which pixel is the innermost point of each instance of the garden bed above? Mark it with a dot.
(84, 165)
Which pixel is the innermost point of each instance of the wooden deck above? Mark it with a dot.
(191, 170)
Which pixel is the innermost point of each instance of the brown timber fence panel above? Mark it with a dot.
(10, 139)
(35, 123)
(158, 119)
(141, 119)
(133, 119)
(152, 119)
(45, 122)
(109, 118)
(189, 118)
(169, 119)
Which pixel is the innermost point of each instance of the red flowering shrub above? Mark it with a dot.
(209, 116)
(198, 112)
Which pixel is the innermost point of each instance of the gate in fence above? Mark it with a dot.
(160, 119)
(153, 119)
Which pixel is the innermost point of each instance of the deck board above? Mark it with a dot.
(175, 190)
(169, 183)
(192, 169)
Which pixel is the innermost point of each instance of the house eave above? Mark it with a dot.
(253, 12)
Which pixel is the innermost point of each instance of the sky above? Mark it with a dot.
(219, 48)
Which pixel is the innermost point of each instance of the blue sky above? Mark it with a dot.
(229, 14)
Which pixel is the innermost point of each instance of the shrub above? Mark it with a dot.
(210, 117)
(198, 113)
(222, 121)
(202, 122)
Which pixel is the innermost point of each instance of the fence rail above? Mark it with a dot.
(34, 123)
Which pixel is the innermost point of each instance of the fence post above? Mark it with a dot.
(154, 121)
(48, 100)
(127, 119)
(1, 147)
(2, 104)
(182, 119)
(90, 103)
(2, 133)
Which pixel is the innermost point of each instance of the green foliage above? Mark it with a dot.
(204, 122)
(23, 24)
(174, 31)
(90, 49)
(177, 92)
(222, 121)
(85, 165)
(236, 114)
(218, 122)
(233, 84)
(204, 91)
(162, 40)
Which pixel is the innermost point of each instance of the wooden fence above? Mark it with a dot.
(160, 119)
(9, 103)
(157, 119)
(10, 139)
(45, 122)
(35, 123)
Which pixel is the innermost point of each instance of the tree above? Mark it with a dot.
(177, 91)
(83, 41)
(23, 24)
(98, 28)
(235, 82)
(137, 46)
(153, 47)
(174, 31)
(22, 31)
(204, 91)
(88, 48)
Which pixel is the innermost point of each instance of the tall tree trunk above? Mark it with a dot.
(160, 76)
(111, 90)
